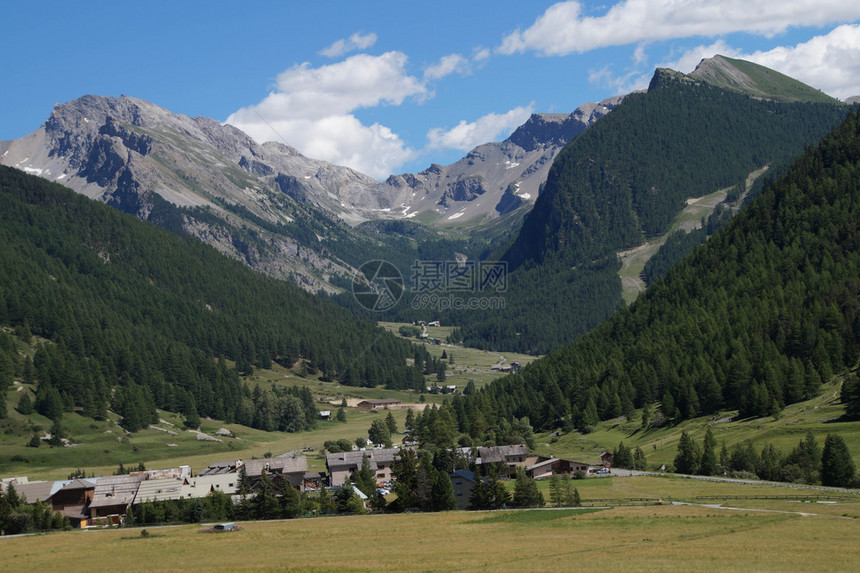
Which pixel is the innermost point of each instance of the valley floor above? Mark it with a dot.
(749, 536)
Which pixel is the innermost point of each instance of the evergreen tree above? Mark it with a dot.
(639, 459)
(25, 406)
(577, 501)
(341, 415)
(837, 466)
(442, 492)
(556, 493)
(709, 465)
(365, 478)
(622, 457)
(688, 457)
(391, 423)
(526, 493)
(405, 472)
(646, 415)
(292, 502)
(265, 504)
(379, 433)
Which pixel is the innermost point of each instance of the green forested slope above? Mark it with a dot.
(125, 306)
(755, 319)
(623, 181)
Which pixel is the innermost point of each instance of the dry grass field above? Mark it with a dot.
(655, 538)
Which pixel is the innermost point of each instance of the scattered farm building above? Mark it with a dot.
(378, 404)
(343, 465)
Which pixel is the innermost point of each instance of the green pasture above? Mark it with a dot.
(653, 538)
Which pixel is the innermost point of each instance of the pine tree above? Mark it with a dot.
(526, 493)
(622, 457)
(688, 457)
(341, 415)
(25, 406)
(391, 423)
(646, 415)
(442, 492)
(837, 466)
(709, 465)
(556, 494)
(365, 477)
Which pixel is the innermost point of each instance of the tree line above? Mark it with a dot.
(126, 316)
(621, 182)
(807, 463)
(755, 319)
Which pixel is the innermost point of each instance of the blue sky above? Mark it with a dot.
(392, 86)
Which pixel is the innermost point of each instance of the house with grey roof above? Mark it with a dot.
(343, 465)
(113, 495)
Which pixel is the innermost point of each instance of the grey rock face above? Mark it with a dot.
(136, 156)
(493, 179)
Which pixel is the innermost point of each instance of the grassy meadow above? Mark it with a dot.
(821, 415)
(652, 538)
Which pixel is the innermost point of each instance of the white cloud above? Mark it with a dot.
(453, 63)
(311, 110)
(467, 135)
(564, 29)
(481, 54)
(344, 46)
(688, 61)
(829, 62)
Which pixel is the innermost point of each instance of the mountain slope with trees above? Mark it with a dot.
(127, 316)
(621, 182)
(754, 319)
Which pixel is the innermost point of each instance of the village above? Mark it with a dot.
(107, 501)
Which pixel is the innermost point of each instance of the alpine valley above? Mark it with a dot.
(685, 256)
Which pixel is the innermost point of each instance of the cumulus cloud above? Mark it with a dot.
(453, 63)
(830, 62)
(467, 135)
(311, 109)
(564, 28)
(347, 45)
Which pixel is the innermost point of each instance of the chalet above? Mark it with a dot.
(292, 468)
(201, 486)
(511, 456)
(378, 404)
(325, 414)
(34, 491)
(343, 465)
(606, 459)
(113, 495)
(180, 472)
(546, 467)
(464, 482)
(72, 500)
(160, 490)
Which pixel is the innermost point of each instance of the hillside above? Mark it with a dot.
(107, 312)
(756, 319)
(756, 81)
(621, 183)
